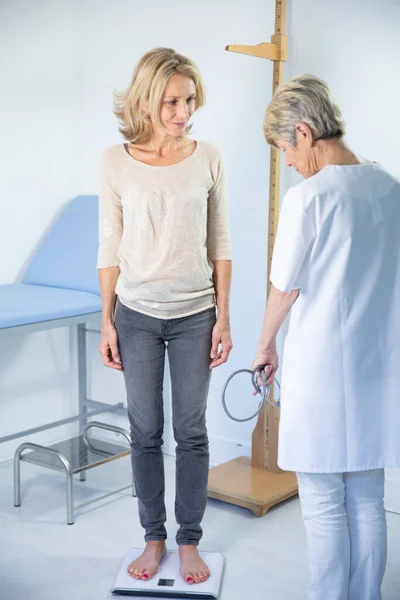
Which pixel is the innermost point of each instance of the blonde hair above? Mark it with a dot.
(149, 79)
(303, 99)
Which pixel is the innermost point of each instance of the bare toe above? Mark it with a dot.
(193, 568)
(146, 566)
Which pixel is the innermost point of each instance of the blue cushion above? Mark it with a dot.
(67, 256)
(22, 304)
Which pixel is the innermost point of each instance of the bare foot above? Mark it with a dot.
(146, 566)
(193, 568)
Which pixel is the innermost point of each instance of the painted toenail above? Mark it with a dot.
(145, 576)
(189, 579)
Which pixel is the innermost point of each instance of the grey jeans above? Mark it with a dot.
(143, 342)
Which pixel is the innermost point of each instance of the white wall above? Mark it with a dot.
(64, 60)
(354, 45)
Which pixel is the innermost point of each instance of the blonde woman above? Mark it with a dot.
(165, 253)
(336, 267)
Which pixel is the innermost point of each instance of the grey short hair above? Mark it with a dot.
(303, 99)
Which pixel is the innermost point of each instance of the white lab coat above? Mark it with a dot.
(338, 240)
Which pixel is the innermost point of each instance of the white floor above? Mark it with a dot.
(42, 558)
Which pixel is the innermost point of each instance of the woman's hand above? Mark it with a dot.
(108, 347)
(269, 358)
(221, 336)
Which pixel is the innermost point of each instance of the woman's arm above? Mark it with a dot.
(278, 307)
(222, 330)
(295, 236)
(108, 280)
(219, 252)
(110, 233)
(108, 346)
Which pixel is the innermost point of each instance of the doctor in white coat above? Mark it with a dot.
(336, 268)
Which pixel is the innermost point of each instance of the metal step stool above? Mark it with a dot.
(76, 455)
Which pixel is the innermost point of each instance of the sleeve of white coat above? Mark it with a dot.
(294, 237)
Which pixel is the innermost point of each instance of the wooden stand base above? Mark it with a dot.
(238, 482)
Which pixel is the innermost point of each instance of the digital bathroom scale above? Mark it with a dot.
(167, 583)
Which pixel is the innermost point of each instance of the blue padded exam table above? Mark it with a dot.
(60, 289)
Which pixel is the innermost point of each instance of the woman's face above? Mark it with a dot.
(302, 157)
(178, 104)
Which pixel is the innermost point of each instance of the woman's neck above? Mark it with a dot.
(334, 152)
(163, 146)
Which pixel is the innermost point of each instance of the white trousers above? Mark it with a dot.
(346, 531)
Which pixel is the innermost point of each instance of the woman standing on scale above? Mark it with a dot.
(165, 252)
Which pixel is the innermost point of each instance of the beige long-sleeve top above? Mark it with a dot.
(163, 226)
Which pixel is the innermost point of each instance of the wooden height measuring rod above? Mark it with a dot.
(258, 483)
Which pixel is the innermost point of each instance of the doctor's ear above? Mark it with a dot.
(304, 135)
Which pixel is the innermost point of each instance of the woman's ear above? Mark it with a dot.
(145, 106)
(304, 133)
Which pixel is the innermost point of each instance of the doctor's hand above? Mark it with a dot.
(268, 357)
(221, 343)
(108, 348)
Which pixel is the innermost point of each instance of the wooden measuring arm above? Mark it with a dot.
(276, 50)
